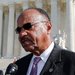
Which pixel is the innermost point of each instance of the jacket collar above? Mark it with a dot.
(53, 60)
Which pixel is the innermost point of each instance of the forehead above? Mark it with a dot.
(31, 16)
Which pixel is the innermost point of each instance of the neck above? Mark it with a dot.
(44, 47)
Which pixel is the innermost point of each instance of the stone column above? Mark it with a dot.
(54, 17)
(74, 24)
(5, 31)
(10, 39)
(70, 25)
(1, 21)
(25, 4)
(39, 3)
(17, 46)
(62, 22)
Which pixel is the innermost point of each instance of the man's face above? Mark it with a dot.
(33, 31)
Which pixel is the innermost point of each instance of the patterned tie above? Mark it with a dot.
(34, 66)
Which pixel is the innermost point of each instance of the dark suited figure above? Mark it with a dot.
(1, 72)
(34, 30)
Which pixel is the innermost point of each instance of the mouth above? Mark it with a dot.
(26, 41)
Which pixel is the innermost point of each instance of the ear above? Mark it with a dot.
(49, 25)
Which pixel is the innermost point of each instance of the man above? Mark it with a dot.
(34, 30)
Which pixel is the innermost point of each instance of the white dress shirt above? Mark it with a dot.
(44, 56)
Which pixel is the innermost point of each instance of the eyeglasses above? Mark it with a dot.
(26, 26)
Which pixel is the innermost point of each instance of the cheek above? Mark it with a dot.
(41, 40)
(40, 34)
(40, 31)
(41, 37)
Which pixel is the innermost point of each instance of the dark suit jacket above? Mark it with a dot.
(60, 62)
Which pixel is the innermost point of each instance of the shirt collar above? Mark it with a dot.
(44, 56)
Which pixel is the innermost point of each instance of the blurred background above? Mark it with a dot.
(61, 12)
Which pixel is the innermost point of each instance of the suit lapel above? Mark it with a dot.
(27, 63)
(53, 61)
(23, 65)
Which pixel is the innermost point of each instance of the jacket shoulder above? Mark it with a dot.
(24, 59)
(68, 55)
(23, 64)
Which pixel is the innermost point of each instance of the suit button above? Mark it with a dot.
(51, 70)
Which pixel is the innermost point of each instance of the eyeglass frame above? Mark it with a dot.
(31, 24)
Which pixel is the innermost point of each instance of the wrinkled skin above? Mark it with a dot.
(36, 39)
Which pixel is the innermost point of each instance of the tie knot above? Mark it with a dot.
(36, 60)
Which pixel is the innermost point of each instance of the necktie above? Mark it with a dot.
(34, 66)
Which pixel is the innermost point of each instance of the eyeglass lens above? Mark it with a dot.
(26, 26)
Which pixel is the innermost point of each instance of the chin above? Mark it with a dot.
(28, 49)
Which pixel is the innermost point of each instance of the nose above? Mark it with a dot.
(23, 32)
